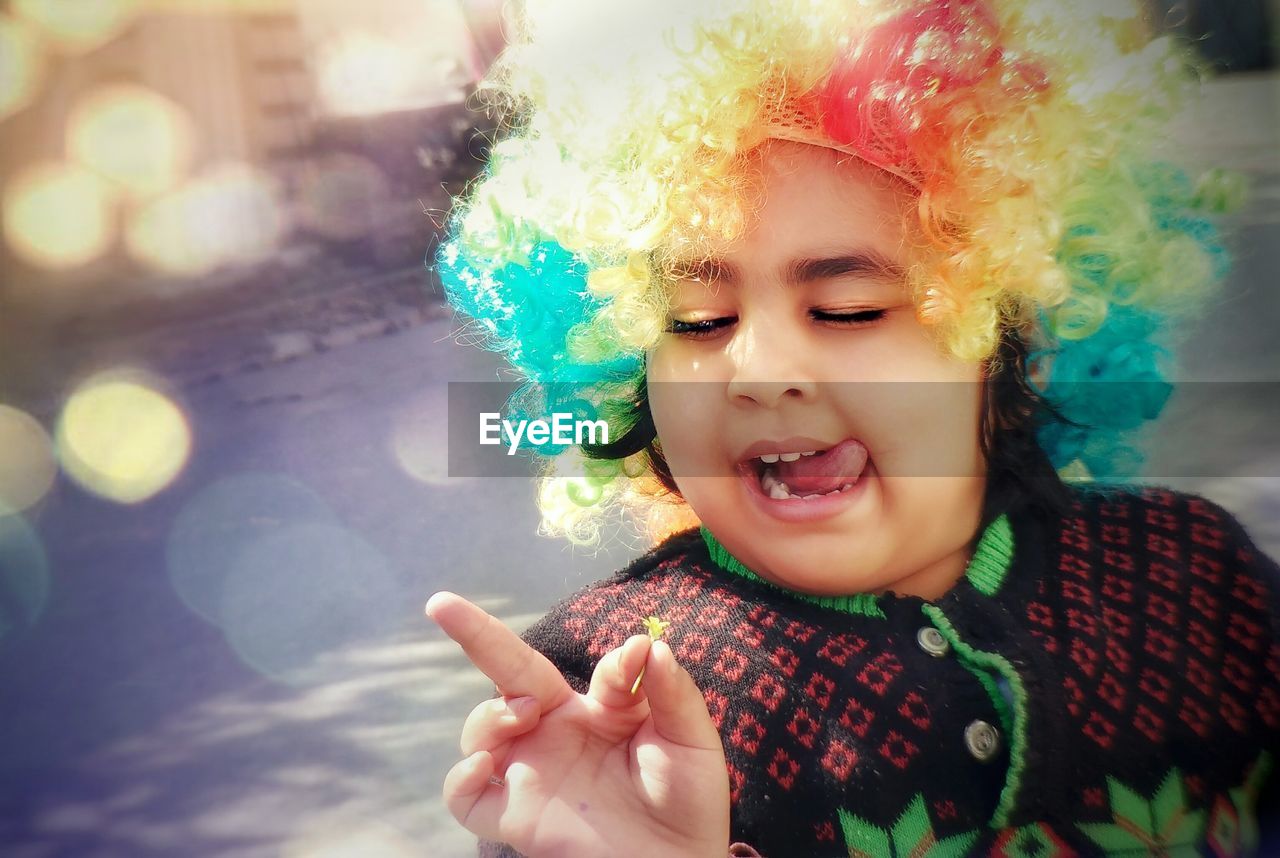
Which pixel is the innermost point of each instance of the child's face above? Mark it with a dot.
(771, 369)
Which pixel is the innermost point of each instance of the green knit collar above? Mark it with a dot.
(986, 570)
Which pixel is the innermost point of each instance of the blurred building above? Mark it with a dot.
(354, 111)
(241, 83)
(242, 78)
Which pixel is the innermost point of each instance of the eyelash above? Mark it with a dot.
(702, 329)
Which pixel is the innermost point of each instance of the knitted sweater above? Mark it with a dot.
(1106, 683)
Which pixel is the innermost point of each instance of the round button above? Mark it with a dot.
(932, 642)
(982, 740)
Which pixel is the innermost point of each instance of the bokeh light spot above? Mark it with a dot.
(58, 216)
(225, 519)
(77, 25)
(420, 438)
(361, 73)
(229, 215)
(304, 592)
(133, 136)
(27, 463)
(24, 575)
(341, 195)
(21, 65)
(122, 439)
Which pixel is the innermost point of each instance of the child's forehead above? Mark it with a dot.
(804, 200)
(808, 199)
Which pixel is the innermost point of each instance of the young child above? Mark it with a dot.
(856, 284)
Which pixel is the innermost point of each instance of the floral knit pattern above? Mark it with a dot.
(912, 835)
(1158, 825)
(1126, 658)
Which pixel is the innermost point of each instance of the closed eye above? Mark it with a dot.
(705, 328)
(696, 330)
(860, 317)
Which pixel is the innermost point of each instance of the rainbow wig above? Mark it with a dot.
(1025, 128)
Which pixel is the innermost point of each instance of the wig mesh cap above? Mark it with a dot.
(800, 133)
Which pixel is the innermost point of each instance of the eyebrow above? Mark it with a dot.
(864, 263)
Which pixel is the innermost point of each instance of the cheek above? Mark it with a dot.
(946, 442)
(920, 427)
(677, 360)
(686, 419)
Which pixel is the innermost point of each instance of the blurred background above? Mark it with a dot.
(224, 496)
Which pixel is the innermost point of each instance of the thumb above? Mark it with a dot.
(676, 705)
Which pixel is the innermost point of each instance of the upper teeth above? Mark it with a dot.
(770, 458)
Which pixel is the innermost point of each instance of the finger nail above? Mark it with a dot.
(479, 761)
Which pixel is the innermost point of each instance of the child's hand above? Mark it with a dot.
(599, 774)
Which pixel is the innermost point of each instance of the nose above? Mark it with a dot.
(769, 364)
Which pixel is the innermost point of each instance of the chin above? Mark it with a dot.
(817, 577)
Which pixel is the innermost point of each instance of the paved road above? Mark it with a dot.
(166, 703)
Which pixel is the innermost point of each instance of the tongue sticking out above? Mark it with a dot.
(823, 472)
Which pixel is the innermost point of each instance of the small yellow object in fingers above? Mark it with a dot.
(655, 626)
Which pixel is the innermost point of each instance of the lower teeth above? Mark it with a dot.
(779, 491)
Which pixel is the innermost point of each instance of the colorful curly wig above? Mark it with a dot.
(1026, 130)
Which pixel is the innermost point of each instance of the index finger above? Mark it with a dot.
(516, 668)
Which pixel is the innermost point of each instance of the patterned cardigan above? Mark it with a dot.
(1104, 683)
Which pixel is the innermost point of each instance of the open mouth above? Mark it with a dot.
(812, 475)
